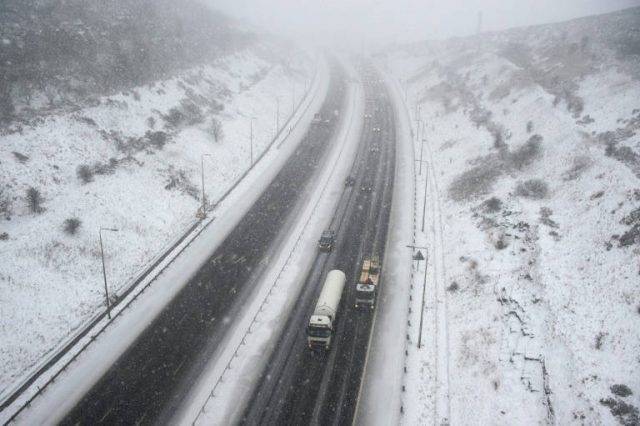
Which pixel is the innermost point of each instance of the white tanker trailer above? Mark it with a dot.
(321, 324)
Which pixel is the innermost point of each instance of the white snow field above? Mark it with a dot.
(132, 163)
(532, 226)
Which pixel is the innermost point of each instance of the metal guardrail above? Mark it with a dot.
(148, 270)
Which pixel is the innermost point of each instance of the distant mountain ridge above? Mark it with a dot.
(57, 51)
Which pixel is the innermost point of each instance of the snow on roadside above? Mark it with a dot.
(141, 153)
(532, 159)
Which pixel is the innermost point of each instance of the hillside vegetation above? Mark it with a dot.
(534, 140)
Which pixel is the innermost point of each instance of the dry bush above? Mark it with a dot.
(535, 189)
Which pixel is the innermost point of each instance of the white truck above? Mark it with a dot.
(321, 324)
(367, 286)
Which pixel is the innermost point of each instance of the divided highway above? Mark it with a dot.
(151, 379)
(300, 386)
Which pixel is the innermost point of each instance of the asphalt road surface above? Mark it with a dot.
(300, 386)
(151, 379)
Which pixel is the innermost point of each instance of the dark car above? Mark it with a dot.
(366, 187)
(349, 181)
(327, 241)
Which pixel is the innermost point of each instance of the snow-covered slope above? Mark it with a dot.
(531, 137)
(132, 161)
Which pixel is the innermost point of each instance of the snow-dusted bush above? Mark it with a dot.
(84, 173)
(533, 188)
(71, 225)
(5, 204)
(34, 200)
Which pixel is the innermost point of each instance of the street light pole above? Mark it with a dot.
(277, 115)
(204, 209)
(104, 270)
(251, 143)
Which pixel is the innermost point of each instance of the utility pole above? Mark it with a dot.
(421, 160)
(418, 257)
(104, 270)
(293, 98)
(277, 115)
(204, 208)
(424, 204)
(251, 143)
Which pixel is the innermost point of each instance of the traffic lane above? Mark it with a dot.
(138, 384)
(289, 379)
(340, 405)
(304, 393)
(267, 410)
(346, 375)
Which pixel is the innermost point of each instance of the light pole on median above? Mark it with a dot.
(204, 208)
(104, 270)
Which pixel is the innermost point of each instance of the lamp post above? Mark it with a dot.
(104, 271)
(204, 209)
(251, 143)
(277, 115)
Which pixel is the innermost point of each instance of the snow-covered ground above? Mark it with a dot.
(532, 226)
(133, 163)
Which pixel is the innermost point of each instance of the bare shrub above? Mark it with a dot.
(529, 126)
(527, 153)
(5, 204)
(453, 287)
(492, 205)
(151, 122)
(34, 200)
(599, 340)
(174, 117)
(4, 236)
(215, 129)
(476, 181)
(621, 390)
(179, 180)
(84, 173)
(626, 413)
(533, 188)
(71, 225)
(157, 139)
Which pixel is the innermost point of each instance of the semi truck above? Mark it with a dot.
(367, 285)
(322, 322)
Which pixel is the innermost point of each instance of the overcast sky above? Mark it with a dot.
(406, 20)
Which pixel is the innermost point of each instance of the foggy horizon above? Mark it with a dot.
(358, 21)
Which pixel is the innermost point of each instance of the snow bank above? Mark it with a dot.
(532, 310)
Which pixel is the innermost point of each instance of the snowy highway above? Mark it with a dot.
(170, 354)
(303, 387)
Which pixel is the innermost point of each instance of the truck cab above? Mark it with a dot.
(319, 332)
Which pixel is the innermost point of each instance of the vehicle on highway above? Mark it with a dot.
(350, 181)
(327, 241)
(366, 187)
(322, 322)
(374, 148)
(376, 129)
(367, 285)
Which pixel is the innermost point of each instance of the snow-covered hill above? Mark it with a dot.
(532, 135)
(132, 161)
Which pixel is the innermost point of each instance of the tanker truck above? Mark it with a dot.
(322, 322)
